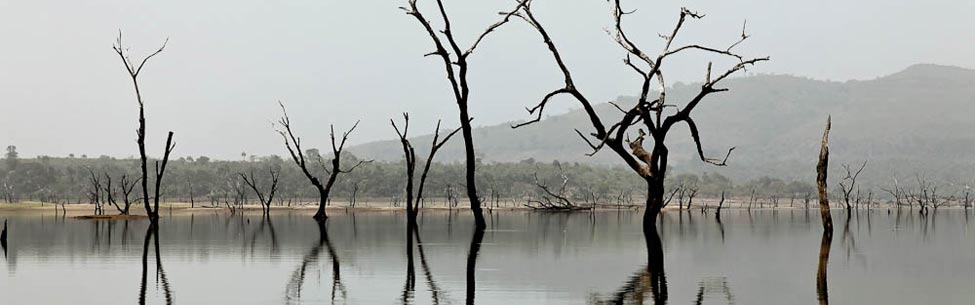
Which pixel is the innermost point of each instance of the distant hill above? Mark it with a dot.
(917, 121)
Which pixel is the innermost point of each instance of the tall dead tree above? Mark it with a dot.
(160, 168)
(821, 169)
(648, 111)
(267, 197)
(413, 200)
(293, 144)
(456, 65)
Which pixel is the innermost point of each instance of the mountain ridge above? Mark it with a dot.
(911, 121)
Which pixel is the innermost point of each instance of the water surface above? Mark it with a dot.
(757, 257)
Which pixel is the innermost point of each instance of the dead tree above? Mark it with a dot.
(293, 144)
(967, 198)
(691, 193)
(354, 193)
(821, 169)
(265, 198)
(650, 112)
(237, 192)
(849, 184)
(456, 66)
(109, 193)
(413, 200)
(125, 188)
(897, 193)
(450, 198)
(554, 199)
(95, 192)
(160, 168)
(189, 188)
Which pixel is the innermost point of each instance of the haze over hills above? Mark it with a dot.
(917, 121)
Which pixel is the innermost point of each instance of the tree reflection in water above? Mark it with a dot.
(152, 233)
(649, 280)
(824, 247)
(293, 289)
(436, 294)
(472, 263)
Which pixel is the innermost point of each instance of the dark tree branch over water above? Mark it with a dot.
(650, 165)
(456, 66)
(160, 169)
(293, 144)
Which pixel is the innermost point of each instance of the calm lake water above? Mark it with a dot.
(757, 257)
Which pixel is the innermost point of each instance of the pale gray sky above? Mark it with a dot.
(63, 90)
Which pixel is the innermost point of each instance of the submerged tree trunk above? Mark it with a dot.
(821, 169)
(655, 202)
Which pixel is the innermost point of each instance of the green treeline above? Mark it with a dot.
(52, 179)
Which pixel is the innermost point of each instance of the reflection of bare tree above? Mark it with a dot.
(472, 262)
(267, 225)
(714, 286)
(824, 246)
(153, 231)
(435, 293)
(293, 289)
(650, 280)
(410, 285)
(3, 238)
(408, 289)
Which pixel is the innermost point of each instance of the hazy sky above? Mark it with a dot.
(63, 90)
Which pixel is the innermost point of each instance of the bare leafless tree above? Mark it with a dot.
(413, 200)
(124, 191)
(650, 112)
(160, 168)
(236, 190)
(849, 184)
(456, 66)
(897, 193)
(293, 144)
(95, 191)
(266, 197)
(554, 199)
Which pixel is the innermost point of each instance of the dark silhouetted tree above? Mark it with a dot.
(651, 112)
(293, 144)
(413, 200)
(160, 167)
(456, 66)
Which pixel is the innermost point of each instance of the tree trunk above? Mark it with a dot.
(322, 199)
(821, 180)
(475, 202)
(655, 202)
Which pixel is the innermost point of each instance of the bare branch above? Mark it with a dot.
(491, 28)
(700, 151)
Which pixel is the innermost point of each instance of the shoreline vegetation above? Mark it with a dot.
(706, 205)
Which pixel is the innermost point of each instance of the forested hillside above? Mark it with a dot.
(915, 122)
